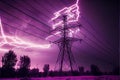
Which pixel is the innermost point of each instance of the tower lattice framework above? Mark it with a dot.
(65, 56)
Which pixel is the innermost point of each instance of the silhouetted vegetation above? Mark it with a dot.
(34, 72)
(46, 69)
(116, 71)
(23, 71)
(95, 70)
(81, 70)
(9, 60)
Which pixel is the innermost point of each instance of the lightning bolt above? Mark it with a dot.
(73, 15)
(17, 42)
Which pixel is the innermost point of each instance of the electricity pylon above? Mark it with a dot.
(65, 55)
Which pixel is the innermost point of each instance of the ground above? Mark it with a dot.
(72, 78)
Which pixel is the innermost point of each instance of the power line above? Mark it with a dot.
(23, 12)
(93, 55)
(95, 44)
(93, 48)
(23, 31)
(24, 21)
(94, 35)
(102, 47)
(97, 40)
(29, 16)
(35, 8)
(27, 32)
(97, 33)
(28, 23)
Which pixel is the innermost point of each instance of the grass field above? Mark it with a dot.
(71, 78)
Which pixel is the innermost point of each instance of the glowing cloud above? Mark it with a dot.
(17, 42)
(73, 15)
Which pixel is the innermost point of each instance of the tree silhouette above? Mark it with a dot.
(8, 62)
(95, 70)
(46, 69)
(34, 72)
(116, 70)
(25, 62)
(81, 70)
(9, 59)
(24, 66)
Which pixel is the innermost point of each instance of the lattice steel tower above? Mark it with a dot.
(65, 55)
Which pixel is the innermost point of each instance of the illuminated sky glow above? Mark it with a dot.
(26, 26)
(73, 15)
(17, 42)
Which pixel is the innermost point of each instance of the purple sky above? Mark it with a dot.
(29, 20)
